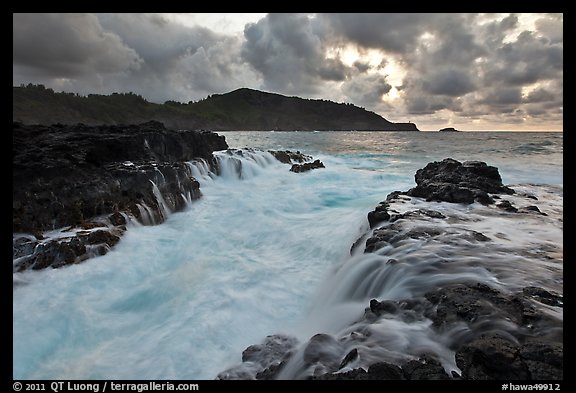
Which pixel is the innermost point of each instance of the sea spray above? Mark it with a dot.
(182, 300)
(425, 254)
(178, 300)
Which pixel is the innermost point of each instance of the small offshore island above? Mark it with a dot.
(449, 129)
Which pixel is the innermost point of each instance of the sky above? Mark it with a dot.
(468, 71)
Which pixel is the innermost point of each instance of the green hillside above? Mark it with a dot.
(242, 109)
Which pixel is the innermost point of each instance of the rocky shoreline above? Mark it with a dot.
(494, 333)
(76, 187)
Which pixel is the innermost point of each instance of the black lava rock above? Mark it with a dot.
(68, 175)
(297, 168)
(452, 181)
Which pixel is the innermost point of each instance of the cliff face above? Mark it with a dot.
(242, 109)
(91, 179)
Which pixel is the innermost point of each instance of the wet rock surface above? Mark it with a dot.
(298, 168)
(493, 357)
(499, 337)
(505, 337)
(493, 332)
(425, 368)
(78, 175)
(76, 248)
(289, 157)
(452, 181)
(263, 361)
(300, 162)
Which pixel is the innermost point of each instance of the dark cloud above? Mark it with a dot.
(396, 33)
(156, 39)
(289, 52)
(68, 45)
(503, 96)
(450, 82)
(172, 61)
(495, 31)
(456, 44)
(426, 105)
(541, 95)
(180, 62)
(366, 89)
(527, 60)
(333, 70)
(487, 66)
(535, 110)
(483, 66)
(441, 66)
(438, 53)
(361, 66)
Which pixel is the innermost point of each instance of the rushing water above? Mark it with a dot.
(258, 254)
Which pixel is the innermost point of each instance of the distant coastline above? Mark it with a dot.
(239, 110)
(501, 131)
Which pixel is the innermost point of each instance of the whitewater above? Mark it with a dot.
(256, 255)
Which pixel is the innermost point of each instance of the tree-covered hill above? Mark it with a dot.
(242, 109)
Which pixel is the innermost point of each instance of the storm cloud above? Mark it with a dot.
(143, 53)
(70, 45)
(179, 62)
(290, 53)
(394, 33)
(429, 68)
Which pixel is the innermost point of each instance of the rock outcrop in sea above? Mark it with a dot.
(466, 327)
(456, 182)
(300, 162)
(75, 187)
(308, 166)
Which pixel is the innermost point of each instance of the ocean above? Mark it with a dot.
(267, 251)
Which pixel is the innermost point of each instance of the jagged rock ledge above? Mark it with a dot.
(300, 162)
(290, 157)
(494, 334)
(452, 181)
(76, 186)
(486, 351)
